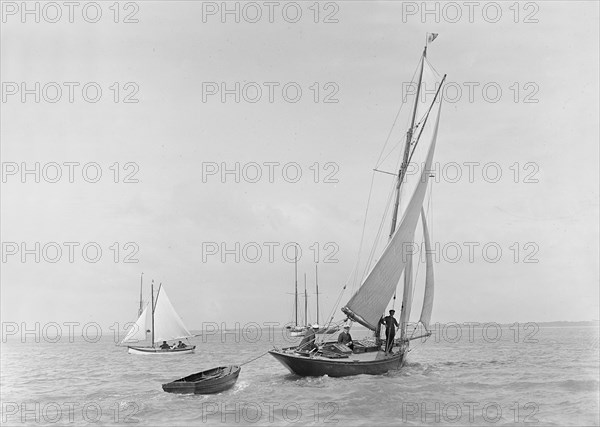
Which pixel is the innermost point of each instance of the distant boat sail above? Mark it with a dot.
(162, 323)
(370, 301)
(138, 331)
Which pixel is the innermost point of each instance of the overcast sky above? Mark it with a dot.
(540, 132)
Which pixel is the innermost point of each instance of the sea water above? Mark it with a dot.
(463, 374)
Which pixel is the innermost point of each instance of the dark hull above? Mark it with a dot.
(206, 382)
(315, 367)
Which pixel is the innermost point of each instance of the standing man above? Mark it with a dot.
(390, 330)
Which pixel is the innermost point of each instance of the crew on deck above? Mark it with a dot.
(308, 342)
(390, 330)
(165, 346)
(345, 337)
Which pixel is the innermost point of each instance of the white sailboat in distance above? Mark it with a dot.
(159, 319)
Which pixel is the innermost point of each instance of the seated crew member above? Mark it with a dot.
(181, 345)
(308, 342)
(345, 337)
(165, 346)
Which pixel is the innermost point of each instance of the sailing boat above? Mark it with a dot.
(162, 322)
(378, 288)
(297, 330)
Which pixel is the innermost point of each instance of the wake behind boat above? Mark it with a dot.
(161, 321)
(396, 261)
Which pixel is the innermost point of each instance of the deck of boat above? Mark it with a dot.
(359, 357)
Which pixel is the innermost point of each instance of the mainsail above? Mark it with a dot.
(167, 323)
(428, 298)
(369, 302)
(138, 330)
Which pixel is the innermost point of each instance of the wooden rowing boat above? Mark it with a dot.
(211, 381)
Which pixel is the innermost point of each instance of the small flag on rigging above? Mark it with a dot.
(431, 37)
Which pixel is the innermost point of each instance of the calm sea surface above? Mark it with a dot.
(548, 376)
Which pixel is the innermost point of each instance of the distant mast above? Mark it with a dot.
(305, 302)
(152, 292)
(317, 286)
(141, 309)
(296, 286)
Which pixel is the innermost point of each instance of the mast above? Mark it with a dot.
(401, 173)
(409, 135)
(141, 302)
(152, 292)
(317, 286)
(296, 286)
(305, 302)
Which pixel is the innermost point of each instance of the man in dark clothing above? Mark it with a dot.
(345, 337)
(165, 346)
(308, 342)
(181, 345)
(390, 330)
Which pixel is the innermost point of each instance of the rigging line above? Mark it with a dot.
(334, 309)
(432, 67)
(371, 188)
(337, 303)
(424, 117)
(351, 278)
(421, 131)
(388, 154)
(378, 235)
(252, 360)
(395, 119)
(362, 236)
(383, 220)
(377, 238)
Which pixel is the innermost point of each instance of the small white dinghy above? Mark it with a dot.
(161, 321)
